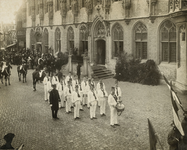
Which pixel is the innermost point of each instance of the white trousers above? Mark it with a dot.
(62, 103)
(102, 105)
(85, 99)
(76, 109)
(113, 116)
(93, 109)
(45, 92)
(68, 103)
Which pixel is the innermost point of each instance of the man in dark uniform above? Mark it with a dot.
(54, 101)
(174, 137)
(79, 70)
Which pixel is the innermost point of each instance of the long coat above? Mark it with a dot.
(54, 99)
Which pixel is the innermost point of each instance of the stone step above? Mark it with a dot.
(101, 72)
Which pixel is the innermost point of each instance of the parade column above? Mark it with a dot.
(181, 80)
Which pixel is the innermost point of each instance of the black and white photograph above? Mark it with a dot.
(93, 74)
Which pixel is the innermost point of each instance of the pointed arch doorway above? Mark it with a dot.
(98, 53)
(100, 46)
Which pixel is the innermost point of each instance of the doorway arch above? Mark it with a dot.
(100, 47)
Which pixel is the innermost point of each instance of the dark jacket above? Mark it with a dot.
(54, 99)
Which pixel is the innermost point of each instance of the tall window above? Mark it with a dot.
(168, 41)
(83, 39)
(117, 40)
(141, 41)
(46, 7)
(32, 40)
(45, 36)
(70, 39)
(57, 40)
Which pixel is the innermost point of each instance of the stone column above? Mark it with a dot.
(70, 66)
(181, 80)
(90, 71)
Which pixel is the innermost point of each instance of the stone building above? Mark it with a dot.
(147, 29)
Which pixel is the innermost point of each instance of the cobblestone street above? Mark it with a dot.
(26, 114)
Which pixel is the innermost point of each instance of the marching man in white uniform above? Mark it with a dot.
(60, 88)
(92, 101)
(112, 102)
(99, 87)
(102, 96)
(68, 78)
(81, 94)
(85, 89)
(76, 100)
(68, 96)
(117, 90)
(54, 79)
(47, 84)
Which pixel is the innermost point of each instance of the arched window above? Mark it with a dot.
(70, 39)
(46, 41)
(117, 35)
(140, 41)
(168, 41)
(83, 39)
(57, 40)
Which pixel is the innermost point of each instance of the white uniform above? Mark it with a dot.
(76, 100)
(81, 94)
(68, 94)
(98, 88)
(118, 92)
(102, 97)
(46, 84)
(113, 111)
(54, 80)
(85, 89)
(67, 79)
(60, 88)
(74, 82)
(49, 88)
(92, 99)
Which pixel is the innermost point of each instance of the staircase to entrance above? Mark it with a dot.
(101, 72)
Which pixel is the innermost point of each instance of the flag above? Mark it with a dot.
(174, 105)
(176, 98)
(177, 122)
(152, 136)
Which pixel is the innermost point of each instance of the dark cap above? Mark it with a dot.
(9, 137)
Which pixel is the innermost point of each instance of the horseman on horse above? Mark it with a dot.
(6, 72)
(22, 69)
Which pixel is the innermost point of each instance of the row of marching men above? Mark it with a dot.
(76, 93)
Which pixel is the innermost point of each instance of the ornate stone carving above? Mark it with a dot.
(171, 6)
(33, 16)
(127, 21)
(89, 25)
(89, 6)
(177, 5)
(41, 11)
(63, 6)
(38, 34)
(107, 24)
(100, 30)
(107, 6)
(50, 13)
(75, 7)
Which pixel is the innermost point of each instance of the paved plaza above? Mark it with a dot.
(26, 114)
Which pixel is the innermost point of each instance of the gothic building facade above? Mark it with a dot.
(147, 29)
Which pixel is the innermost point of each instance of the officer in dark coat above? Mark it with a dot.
(54, 101)
(174, 137)
(79, 70)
